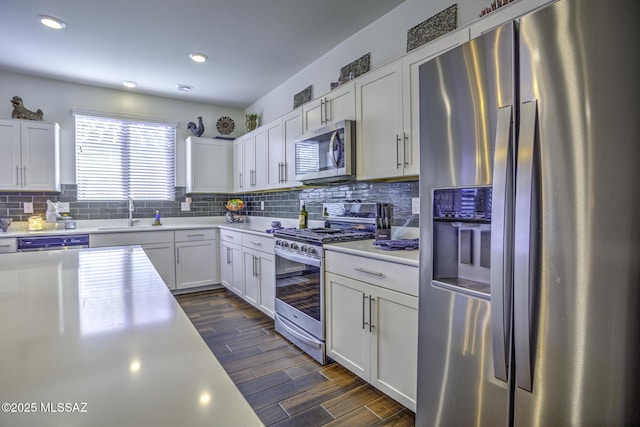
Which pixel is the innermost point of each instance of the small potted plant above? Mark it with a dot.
(251, 121)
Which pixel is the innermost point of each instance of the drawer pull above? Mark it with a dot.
(256, 243)
(364, 270)
(195, 235)
(5, 246)
(228, 236)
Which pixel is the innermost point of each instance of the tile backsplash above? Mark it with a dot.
(282, 204)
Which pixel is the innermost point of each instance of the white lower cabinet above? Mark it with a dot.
(373, 331)
(196, 258)
(157, 245)
(161, 256)
(184, 259)
(259, 275)
(248, 268)
(231, 270)
(8, 245)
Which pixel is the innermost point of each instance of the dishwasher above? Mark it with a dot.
(51, 243)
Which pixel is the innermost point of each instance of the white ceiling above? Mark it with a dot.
(253, 45)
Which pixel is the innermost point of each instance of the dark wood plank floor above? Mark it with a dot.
(283, 385)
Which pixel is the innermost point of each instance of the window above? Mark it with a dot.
(120, 158)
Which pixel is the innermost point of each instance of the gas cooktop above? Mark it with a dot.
(325, 235)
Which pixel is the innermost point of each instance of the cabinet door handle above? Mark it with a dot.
(18, 176)
(284, 172)
(321, 110)
(364, 323)
(398, 164)
(178, 255)
(326, 110)
(406, 139)
(240, 179)
(24, 176)
(255, 266)
(371, 325)
(364, 270)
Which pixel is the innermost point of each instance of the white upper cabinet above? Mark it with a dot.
(339, 104)
(209, 165)
(280, 149)
(388, 113)
(238, 165)
(275, 154)
(250, 164)
(291, 128)
(380, 136)
(31, 156)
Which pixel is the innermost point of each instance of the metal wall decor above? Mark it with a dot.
(302, 97)
(438, 25)
(356, 68)
(225, 125)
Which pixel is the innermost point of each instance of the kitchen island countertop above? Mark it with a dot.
(94, 337)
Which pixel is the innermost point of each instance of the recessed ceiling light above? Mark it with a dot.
(51, 22)
(127, 83)
(198, 57)
(184, 88)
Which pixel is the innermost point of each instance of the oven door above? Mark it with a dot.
(299, 291)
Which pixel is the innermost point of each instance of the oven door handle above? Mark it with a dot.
(298, 258)
(298, 335)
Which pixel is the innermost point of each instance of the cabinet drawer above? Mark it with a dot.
(259, 243)
(230, 236)
(196, 234)
(397, 277)
(127, 238)
(8, 245)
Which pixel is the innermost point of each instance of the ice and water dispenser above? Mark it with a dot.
(462, 240)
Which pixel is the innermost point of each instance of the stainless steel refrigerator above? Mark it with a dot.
(530, 241)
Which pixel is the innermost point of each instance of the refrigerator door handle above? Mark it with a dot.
(525, 245)
(500, 246)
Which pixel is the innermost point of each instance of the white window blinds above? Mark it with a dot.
(117, 159)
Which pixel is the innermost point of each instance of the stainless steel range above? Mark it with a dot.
(300, 275)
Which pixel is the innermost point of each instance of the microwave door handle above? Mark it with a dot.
(332, 144)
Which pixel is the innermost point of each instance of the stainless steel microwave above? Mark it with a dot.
(326, 154)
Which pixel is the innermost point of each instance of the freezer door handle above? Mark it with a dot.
(525, 245)
(501, 211)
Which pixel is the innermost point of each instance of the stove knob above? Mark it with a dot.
(285, 244)
(294, 246)
(312, 251)
(303, 248)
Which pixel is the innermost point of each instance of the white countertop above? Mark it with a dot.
(366, 248)
(98, 330)
(258, 226)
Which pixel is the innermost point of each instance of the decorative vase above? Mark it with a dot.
(251, 121)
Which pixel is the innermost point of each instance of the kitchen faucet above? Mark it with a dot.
(131, 209)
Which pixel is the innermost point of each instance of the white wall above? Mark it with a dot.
(56, 99)
(386, 39)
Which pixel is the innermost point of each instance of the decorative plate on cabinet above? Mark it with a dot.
(225, 125)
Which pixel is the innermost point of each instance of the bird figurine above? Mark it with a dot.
(19, 112)
(196, 130)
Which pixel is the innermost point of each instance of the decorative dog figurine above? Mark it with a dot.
(19, 112)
